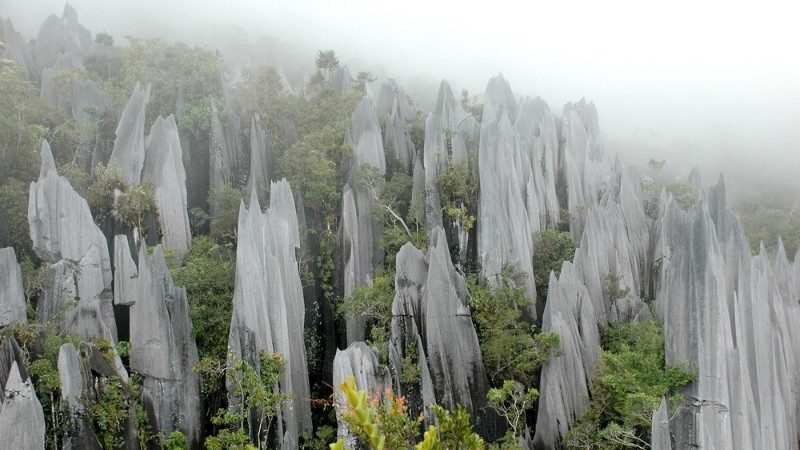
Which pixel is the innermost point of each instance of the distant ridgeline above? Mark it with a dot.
(342, 195)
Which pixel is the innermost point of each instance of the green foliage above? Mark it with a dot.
(261, 92)
(417, 131)
(382, 421)
(471, 105)
(764, 221)
(455, 431)
(14, 216)
(255, 395)
(684, 194)
(373, 302)
(551, 249)
(44, 374)
(311, 171)
(327, 60)
(225, 201)
(510, 347)
(321, 438)
(629, 381)
(362, 80)
(409, 365)
(110, 412)
(459, 186)
(134, 206)
(101, 194)
(511, 401)
(175, 441)
(104, 38)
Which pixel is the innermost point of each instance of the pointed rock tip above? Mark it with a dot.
(48, 164)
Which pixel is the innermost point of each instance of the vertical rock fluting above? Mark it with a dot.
(261, 160)
(728, 316)
(61, 35)
(128, 153)
(162, 348)
(12, 293)
(73, 390)
(21, 416)
(360, 230)
(566, 379)
(268, 307)
(221, 158)
(361, 362)
(453, 352)
(504, 232)
(660, 438)
(64, 235)
(163, 168)
(395, 112)
(537, 138)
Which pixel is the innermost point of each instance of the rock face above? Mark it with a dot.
(163, 168)
(504, 232)
(566, 379)
(73, 390)
(341, 80)
(537, 138)
(221, 158)
(360, 230)
(128, 153)
(162, 348)
(360, 362)
(86, 96)
(261, 160)
(65, 236)
(727, 314)
(268, 308)
(584, 163)
(453, 352)
(660, 438)
(12, 294)
(395, 112)
(21, 416)
(16, 49)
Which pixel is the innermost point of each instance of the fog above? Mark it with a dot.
(714, 83)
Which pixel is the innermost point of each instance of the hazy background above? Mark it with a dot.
(709, 83)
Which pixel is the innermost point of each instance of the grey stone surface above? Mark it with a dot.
(262, 165)
(504, 231)
(21, 418)
(162, 348)
(73, 393)
(453, 352)
(566, 379)
(163, 169)
(361, 362)
(341, 80)
(128, 154)
(16, 48)
(221, 158)
(12, 293)
(60, 35)
(268, 306)
(660, 438)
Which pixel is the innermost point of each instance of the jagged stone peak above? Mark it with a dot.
(501, 97)
(448, 109)
(694, 179)
(21, 417)
(129, 146)
(48, 163)
(587, 112)
(13, 305)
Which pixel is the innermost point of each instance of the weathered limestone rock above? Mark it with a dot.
(21, 417)
(504, 232)
(418, 193)
(268, 307)
(163, 168)
(408, 325)
(128, 154)
(162, 348)
(360, 229)
(659, 432)
(59, 35)
(537, 138)
(86, 96)
(499, 94)
(453, 352)
(73, 391)
(221, 158)
(395, 111)
(261, 163)
(12, 293)
(341, 80)
(361, 362)
(16, 48)
(64, 235)
(566, 379)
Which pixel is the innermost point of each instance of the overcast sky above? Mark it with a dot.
(721, 75)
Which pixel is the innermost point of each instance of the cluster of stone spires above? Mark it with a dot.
(724, 312)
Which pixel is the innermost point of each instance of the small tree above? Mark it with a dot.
(327, 61)
(362, 79)
(511, 401)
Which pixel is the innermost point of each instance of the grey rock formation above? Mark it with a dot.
(162, 348)
(21, 417)
(86, 98)
(64, 235)
(128, 153)
(360, 229)
(73, 392)
(60, 35)
(584, 163)
(499, 94)
(453, 352)
(12, 293)
(268, 307)
(52, 96)
(659, 432)
(163, 169)
(417, 207)
(537, 138)
(504, 231)
(395, 111)
(261, 160)
(16, 48)
(221, 158)
(341, 80)
(407, 326)
(361, 362)
(565, 383)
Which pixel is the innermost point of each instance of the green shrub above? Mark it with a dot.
(629, 381)
(551, 249)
